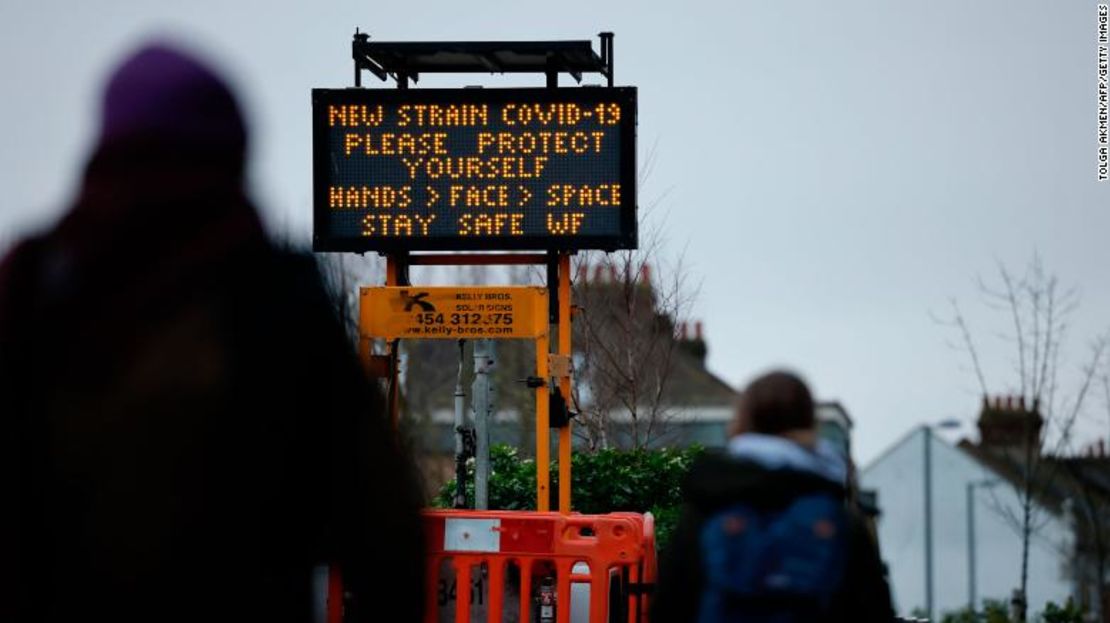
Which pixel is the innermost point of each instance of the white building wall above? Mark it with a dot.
(898, 476)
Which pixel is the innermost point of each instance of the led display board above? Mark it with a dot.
(474, 169)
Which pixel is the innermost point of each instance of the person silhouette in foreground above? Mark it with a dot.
(766, 532)
(187, 432)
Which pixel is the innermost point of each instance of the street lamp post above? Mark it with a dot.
(971, 537)
(928, 522)
(928, 481)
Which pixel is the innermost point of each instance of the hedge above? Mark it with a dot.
(604, 481)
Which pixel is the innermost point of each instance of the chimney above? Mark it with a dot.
(645, 274)
(599, 273)
(612, 274)
(1005, 422)
(582, 273)
(696, 347)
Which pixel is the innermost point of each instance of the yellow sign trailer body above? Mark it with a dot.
(453, 312)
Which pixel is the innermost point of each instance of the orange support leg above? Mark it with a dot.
(526, 589)
(462, 589)
(335, 595)
(562, 591)
(565, 436)
(543, 430)
(496, 591)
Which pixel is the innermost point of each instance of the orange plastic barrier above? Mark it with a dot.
(537, 554)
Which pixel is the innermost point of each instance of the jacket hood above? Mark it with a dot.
(776, 452)
(719, 479)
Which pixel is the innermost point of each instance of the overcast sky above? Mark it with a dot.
(834, 170)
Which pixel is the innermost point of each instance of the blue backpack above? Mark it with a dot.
(773, 566)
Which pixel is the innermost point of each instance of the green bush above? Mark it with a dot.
(995, 611)
(512, 483)
(992, 612)
(605, 481)
(1068, 613)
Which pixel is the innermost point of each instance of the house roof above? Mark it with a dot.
(692, 384)
(1093, 472)
(1055, 479)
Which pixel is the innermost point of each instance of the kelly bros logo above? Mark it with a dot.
(416, 300)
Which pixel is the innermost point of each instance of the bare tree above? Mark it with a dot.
(625, 342)
(1038, 311)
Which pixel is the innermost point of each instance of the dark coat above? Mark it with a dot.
(187, 433)
(718, 481)
(191, 453)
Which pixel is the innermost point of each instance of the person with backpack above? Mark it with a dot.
(767, 533)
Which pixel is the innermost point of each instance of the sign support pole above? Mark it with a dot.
(461, 450)
(482, 401)
(564, 350)
(396, 274)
